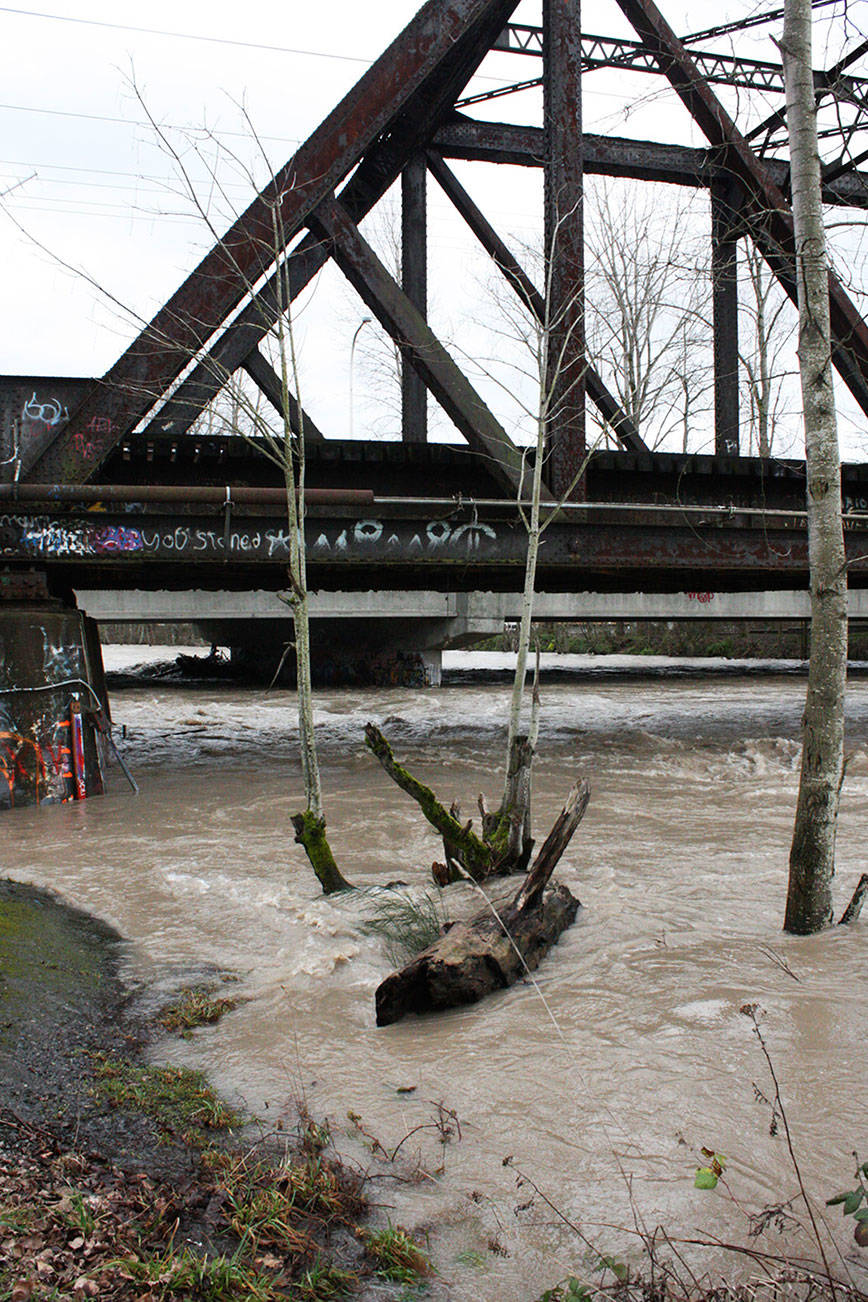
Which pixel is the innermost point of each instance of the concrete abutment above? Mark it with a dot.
(53, 704)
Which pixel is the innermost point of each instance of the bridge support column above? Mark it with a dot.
(724, 275)
(350, 652)
(414, 282)
(51, 690)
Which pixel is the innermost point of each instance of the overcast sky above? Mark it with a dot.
(84, 176)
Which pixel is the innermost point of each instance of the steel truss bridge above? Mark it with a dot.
(106, 484)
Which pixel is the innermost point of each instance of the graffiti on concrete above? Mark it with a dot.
(35, 769)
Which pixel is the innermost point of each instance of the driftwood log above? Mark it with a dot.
(495, 948)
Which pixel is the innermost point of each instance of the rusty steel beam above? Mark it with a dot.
(765, 205)
(414, 282)
(725, 205)
(265, 378)
(563, 382)
(418, 343)
(634, 56)
(410, 67)
(605, 402)
(641, 160)
(378, 170)
(438, 545)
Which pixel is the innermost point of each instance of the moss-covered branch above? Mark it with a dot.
(475, 856)
(310, 832)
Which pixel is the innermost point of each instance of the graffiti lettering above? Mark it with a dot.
(45, 536)
(84, 446)
(370, 531)
(115, 538)
(473, 534)
(99, 425)
(36, 770)
(49, 413)
(702, 597)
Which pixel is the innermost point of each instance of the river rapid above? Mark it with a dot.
(601, 1080)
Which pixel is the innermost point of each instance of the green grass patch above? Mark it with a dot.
(406, 924)
(180, 1100)
(198, 1006)
(396, 1256)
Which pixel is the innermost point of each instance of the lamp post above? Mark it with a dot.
(366, 320)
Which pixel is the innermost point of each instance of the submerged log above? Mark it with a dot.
(496, 947)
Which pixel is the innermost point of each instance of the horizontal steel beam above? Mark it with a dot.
(635, 56)
(641, 160)
(670, 548)
(19, 496)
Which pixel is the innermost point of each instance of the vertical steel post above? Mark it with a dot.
(564, 245)
(414, 282)
(724, 276)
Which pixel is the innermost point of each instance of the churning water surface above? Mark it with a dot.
(603, 1078)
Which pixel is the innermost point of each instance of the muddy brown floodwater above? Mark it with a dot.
(604, 1078)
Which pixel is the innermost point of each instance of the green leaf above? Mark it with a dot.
(705, 1179)
(852, 1201)
(861, 1215)
(839, 1198)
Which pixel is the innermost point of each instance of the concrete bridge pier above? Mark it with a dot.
(52, 691)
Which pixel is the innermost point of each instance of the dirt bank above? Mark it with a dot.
(61, 1003)
(126, 1181)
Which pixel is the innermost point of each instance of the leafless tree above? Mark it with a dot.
(277, 432)
(764, 354)
(648, 326)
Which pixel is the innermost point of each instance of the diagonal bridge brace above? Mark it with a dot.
(431, 59)
(765, 206)
(420, 346)
(380, 167)
(508, 264)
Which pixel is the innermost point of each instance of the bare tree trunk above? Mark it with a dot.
(310, 825)
(812, 854)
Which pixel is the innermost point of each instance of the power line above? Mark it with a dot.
(184, 36)
(140, 122)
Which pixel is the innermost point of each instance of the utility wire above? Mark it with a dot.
(140, 122)
(183, 36)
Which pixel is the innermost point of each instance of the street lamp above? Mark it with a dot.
(366, 320)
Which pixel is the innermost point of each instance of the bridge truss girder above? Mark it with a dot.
(401, 111)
